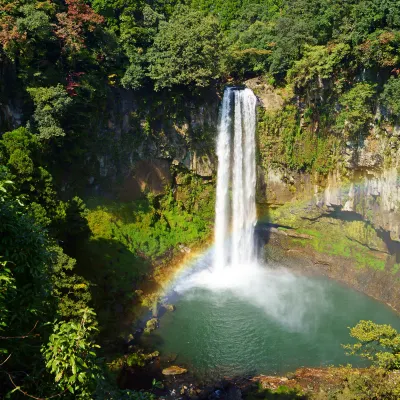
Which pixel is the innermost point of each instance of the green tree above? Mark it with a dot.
(70, 355)
(137, 35)
(187, 50)
(377, 343)
(390, 96)
(71, 290)
(51, 104)
(356, 112)
(318, 63)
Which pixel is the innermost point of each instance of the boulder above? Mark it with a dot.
(169, 307)
(151, 325)
(174, 370)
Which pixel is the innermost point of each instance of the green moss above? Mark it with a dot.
(300, 242)
(286, 141)
(311, 232)
(282, 392)
(395, 269)
(354, 240)
(368, 260)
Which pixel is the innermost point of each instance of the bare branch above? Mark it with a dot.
(34, 397)
(5, 360)
(24, 336)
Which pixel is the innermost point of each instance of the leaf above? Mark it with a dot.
(58, 376)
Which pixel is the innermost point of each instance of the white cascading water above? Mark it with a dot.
(223, 178)
(239, 130)
(233, 266)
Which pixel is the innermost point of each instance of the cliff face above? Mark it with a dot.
(339, 215)
(359, 176)
(11, 102)
(141, 142)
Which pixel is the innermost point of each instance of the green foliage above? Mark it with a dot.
(371, 15)
(24, 246)
(281, 392)
(377, 343)
(283, 142)
(25, 298)
(356, 112)
(373, 383)
(380, 49)
(70, 355)
(152, 231)
(70, 290)
(390, 96)
(7, 287)
(136, 36)
(186, 51)
(16, 149)
(136, 360)
(50, 105)
(317, 63)
(20, 151)
(34, 21)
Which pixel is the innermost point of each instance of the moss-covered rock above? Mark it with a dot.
(151, 325)
(342, 246)
(174, 370)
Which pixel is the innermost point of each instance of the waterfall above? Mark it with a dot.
(223, 177)
(236, 137)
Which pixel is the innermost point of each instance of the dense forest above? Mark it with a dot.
(336, 60)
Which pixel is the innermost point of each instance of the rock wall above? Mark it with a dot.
(373, 194)
(11, 104)
(141, 142)
(343, 223)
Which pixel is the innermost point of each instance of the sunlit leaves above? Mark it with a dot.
(72, 24)
(70, 355)
(186, 50)
(356, 110)
(391, 96)
(318, 62)
(50, 105)
(377, 343)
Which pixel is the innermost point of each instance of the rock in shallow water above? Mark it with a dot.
(169, 307)
(151, 325)
(174, 370)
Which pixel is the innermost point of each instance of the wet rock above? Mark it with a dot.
(148, 176)
(174, 370)
(169, 358)
(169, 307)
(202, 164)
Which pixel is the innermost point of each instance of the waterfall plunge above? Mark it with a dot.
(236, 168)
(233, 265)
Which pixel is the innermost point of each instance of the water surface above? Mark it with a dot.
(272, 323)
